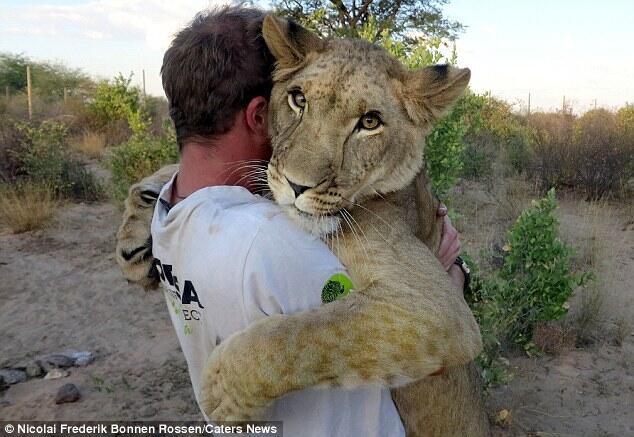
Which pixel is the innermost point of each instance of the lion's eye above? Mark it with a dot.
(370, 121)
(297, 100)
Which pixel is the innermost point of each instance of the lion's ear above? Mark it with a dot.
(430, 91)
(288, 41)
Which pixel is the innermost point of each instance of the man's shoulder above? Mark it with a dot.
(248, 216)
(237, 208)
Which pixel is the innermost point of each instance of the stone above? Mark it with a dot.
(503, 418)
(57, 373)
(67, 393)
(147, 411)
(33, 369)
(82, 358)
(12, 376)
(58, 360)
(167, 388)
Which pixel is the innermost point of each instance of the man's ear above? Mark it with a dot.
(288, 41)
(256, 116)
(430, 91)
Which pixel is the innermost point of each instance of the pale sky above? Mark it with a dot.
(581, 49)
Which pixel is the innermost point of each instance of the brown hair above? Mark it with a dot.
(213, 68)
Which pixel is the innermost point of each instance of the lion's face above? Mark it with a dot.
(345, 124)
(340, 133)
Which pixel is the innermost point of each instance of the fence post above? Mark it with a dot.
(143, 71)
(29, 91)
(65, 94)
(6, 94)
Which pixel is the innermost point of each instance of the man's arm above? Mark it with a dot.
(449, 249)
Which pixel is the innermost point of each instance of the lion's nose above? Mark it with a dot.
(298, 189)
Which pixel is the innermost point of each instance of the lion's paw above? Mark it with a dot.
(134, 240)
(222, 391)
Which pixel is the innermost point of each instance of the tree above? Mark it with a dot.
(13, 71)
(49, 79)
(405, 19)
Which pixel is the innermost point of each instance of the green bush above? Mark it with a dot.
(537, 271)
(476, 159)
(116, 100)
(444, 146)
(500, 133)
(518, 149)
(41, 155)
(533, 285)
(139, 157)
(490, 314)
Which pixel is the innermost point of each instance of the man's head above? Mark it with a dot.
(214, 69)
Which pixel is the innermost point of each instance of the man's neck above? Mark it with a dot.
(213, 163)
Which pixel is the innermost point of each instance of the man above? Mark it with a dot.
(227, 256)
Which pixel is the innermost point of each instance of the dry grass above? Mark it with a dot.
(592, 250)
(590, 315)
(89, 143)
(587, 236)
(628, 207)
(27, 206)
(622, 330)
(554, 337)
(513, 196)
(594, 230)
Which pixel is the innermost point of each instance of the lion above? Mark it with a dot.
(347, 126)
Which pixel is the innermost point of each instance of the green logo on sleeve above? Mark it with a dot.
(338, 286)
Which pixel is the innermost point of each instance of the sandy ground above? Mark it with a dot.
(61, 290)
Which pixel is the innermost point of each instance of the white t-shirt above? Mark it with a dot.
(227, 258)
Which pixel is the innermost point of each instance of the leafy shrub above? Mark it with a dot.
(11, 144)
(501, 135)
(490, 314)
(115, 100)
(444, 145)
(532, 286)
(537, 271)
(477, 158)
(519, 151)
(139, 157)
(43, 156)
(40, 154)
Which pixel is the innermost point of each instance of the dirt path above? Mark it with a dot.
(61, 290)
(582, 392)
